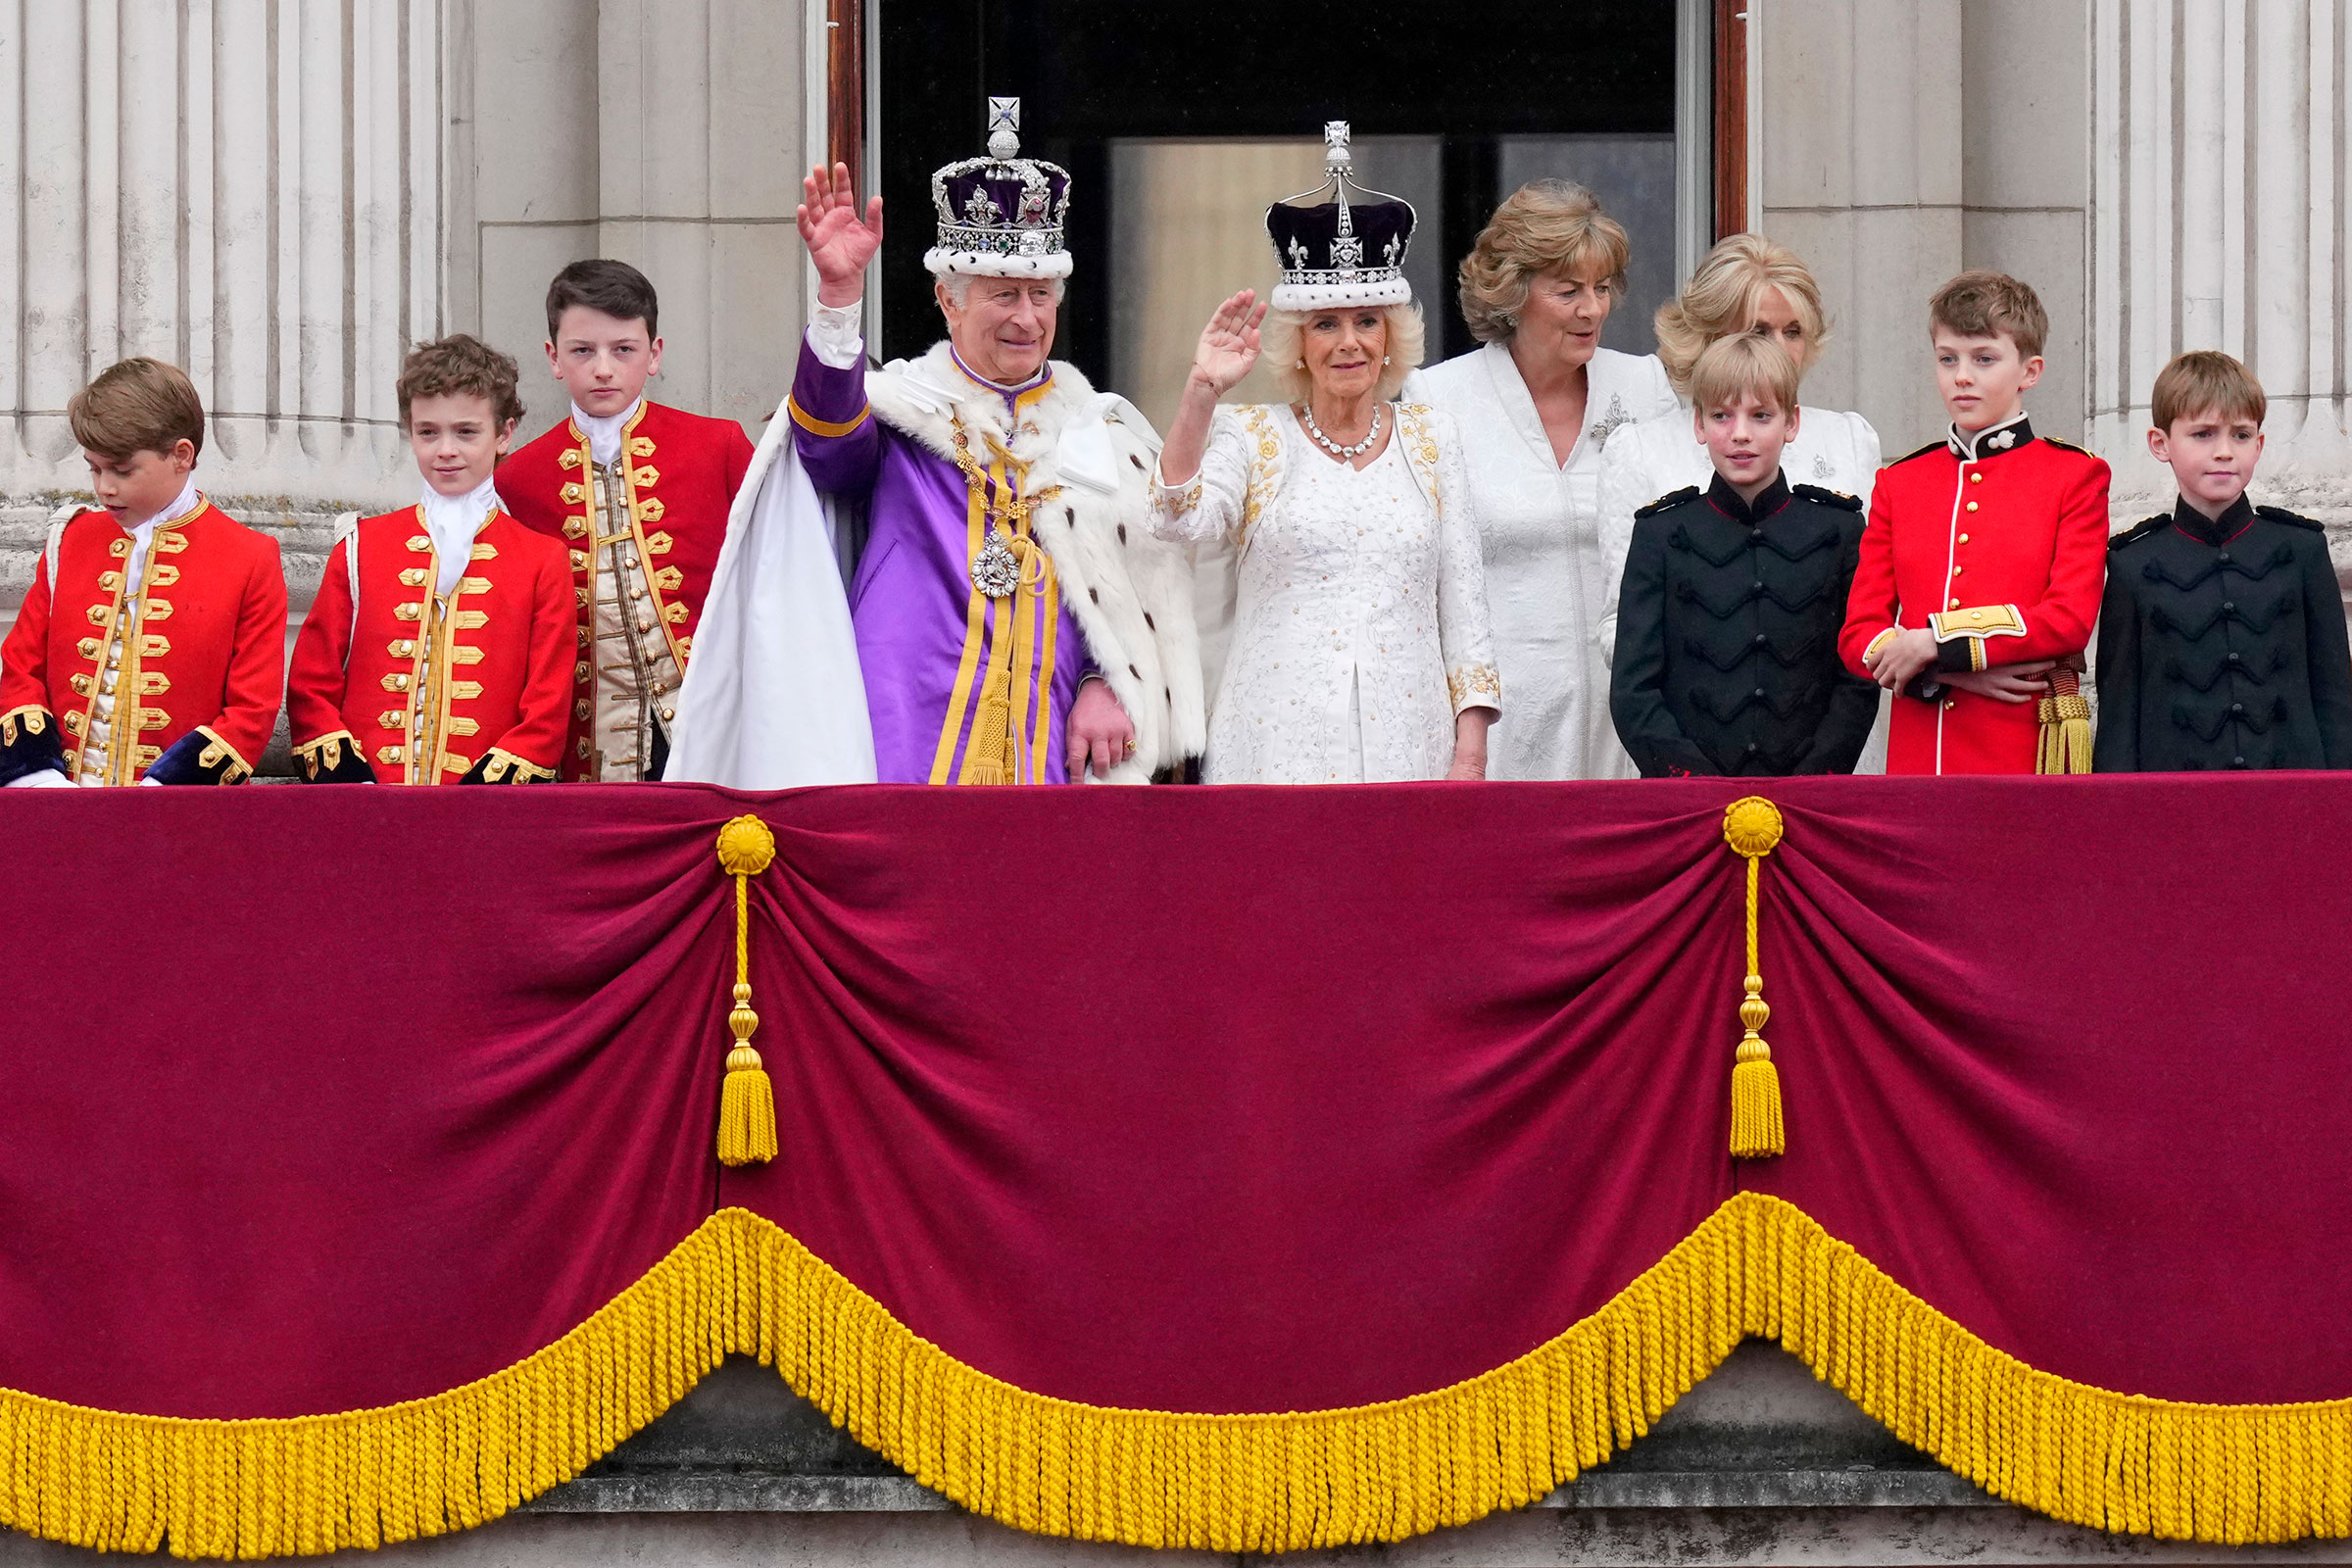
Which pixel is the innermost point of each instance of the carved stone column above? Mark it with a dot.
(2219, 221)
(250, 188)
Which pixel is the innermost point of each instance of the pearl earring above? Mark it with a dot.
(1302, 365)
(1385, 359)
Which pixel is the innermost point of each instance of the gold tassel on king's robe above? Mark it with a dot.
(1752, 827)
(2065, 716)
(746, 1100)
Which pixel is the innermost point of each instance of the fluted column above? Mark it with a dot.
(2219, 221)
(249, 188)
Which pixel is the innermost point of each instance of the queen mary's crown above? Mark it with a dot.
(1000, 215)
(1340, 244)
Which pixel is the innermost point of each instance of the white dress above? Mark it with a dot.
(1361, 618)
(1538, 531)
(1834, 449)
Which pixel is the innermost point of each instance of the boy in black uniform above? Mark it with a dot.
(2222, 637)
(1727, 628)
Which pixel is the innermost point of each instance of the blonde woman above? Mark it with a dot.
(1746, 284)
(1360, 651)
(1538, 406)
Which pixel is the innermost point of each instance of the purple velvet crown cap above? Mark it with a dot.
(1340, 252)
(1000, 215)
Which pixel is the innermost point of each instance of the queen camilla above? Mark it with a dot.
(1360, 649)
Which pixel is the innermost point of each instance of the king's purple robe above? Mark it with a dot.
(927, 636)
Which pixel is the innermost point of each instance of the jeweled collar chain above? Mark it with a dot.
(1307, 412)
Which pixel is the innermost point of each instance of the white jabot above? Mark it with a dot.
(837, 333)
(144, 534)
(604, 435)
(452, 521)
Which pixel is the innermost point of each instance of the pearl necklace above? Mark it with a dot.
(1307, 412)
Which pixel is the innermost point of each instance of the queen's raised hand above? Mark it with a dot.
(1229, 343)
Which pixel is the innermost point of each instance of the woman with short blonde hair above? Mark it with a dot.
(1728, 294)
(1536, 404)
(1282, 340)
(1747, 283)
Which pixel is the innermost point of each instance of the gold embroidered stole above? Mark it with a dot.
(1014, 589)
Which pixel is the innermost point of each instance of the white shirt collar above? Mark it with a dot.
(452, 521)
(604, 435)
(141, 536)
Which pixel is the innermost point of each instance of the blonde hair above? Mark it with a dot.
(1987, 304)
(141, 404)
(1546, 225)
(1745, 364)
(2206, 381)
(1282, 341)
(1724, 296)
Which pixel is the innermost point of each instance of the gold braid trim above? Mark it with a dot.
(1757, 1266)
(508, 769)
(327, 751)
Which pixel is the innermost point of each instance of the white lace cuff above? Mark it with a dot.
(836, 332)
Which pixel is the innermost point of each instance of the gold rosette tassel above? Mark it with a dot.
(747, 1101)
(2065, 716)
(1753, 828)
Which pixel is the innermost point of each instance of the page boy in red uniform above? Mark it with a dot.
(151, 647)
(1984, 559)
(639, 494)
(439, 648)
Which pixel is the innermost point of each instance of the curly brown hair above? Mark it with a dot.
(460, 363)
(1546, 225)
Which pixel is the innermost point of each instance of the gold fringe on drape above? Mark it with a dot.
(2228, 1474)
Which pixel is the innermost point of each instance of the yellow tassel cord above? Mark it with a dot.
(1752, 827)
(2224, 1474)
(2065, 716)
(747, 1101)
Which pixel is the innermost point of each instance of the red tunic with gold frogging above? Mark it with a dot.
(424, 687)
(641, 563)
(200, 646)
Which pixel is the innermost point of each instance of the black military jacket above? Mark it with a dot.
(1727, 634)
(2222, 644)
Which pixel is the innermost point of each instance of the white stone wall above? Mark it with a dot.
(283, 195)
(249, 189)
(2219, 155)
(1904, 143)
(667, 134)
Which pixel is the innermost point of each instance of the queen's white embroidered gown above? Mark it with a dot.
(1360, 622)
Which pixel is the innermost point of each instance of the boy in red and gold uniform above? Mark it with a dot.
(151, 645)
(439, 648)
(639, 493)
(1984, 560)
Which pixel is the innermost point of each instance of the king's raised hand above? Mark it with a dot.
(1229, 342)
(840, 242)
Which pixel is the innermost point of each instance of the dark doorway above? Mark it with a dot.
(1476, 97)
